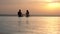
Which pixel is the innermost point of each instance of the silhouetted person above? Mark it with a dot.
(27, 13)
(19, 13)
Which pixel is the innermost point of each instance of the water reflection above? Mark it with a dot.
(27, 20)
(52, 25)
(22, 23)
(30, 25)
(44, 25)
(19, 23)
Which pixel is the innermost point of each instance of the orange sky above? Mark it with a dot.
(36, 7)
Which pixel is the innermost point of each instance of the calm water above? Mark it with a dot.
(31, 25)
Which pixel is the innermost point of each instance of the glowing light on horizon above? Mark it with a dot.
(53, 5)
(48, 0)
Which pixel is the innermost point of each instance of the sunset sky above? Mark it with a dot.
(36, 7)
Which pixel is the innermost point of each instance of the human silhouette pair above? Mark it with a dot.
(21, 15)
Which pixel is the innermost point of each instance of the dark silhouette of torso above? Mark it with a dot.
(19, 13)
(27, 13)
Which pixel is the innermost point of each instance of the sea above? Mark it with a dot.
(29, 25)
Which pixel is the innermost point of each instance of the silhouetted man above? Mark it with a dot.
(27, 13)
(19, 13)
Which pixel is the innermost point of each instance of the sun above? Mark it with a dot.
(53, 5)
(49, 0)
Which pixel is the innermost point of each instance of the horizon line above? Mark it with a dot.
(34, 15)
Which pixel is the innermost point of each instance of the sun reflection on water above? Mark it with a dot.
(51, 25)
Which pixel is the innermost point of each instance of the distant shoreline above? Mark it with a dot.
(35, 15)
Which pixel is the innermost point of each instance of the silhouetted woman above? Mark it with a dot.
(27, 13)
(19, 13)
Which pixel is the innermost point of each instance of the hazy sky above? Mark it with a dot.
(36, 7)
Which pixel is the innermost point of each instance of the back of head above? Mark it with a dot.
(27, 11)
(19, 10)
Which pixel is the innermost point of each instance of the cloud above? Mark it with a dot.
(7, 2)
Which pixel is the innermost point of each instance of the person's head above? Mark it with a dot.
(27, 11)
(19, 10)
